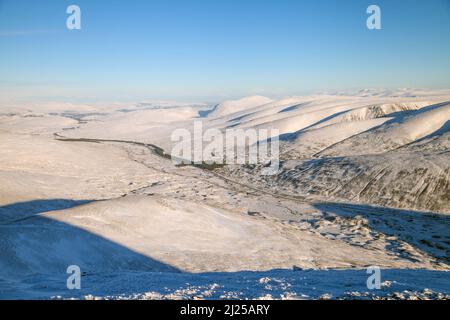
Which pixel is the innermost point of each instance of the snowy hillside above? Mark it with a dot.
(390, 153)
(364, 180)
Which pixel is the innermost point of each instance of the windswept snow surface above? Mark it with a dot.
(363, 181)
(233, 106)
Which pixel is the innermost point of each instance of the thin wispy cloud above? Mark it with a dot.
(16, 33)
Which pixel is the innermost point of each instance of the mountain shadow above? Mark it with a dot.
(37, 245)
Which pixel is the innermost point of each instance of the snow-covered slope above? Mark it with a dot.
(155, 233)
(233, 106)
(413, 180)
(141, 227)
(305, 144)
(389, 151)
(395, 133)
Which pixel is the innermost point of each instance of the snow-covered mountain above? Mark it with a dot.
(389, 152)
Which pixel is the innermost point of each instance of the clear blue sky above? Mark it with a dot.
(216, 49)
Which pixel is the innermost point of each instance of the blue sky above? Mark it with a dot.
(216, 49)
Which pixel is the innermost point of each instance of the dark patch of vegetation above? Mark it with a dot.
(160, 152)
(209, 166)
(203, 165)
